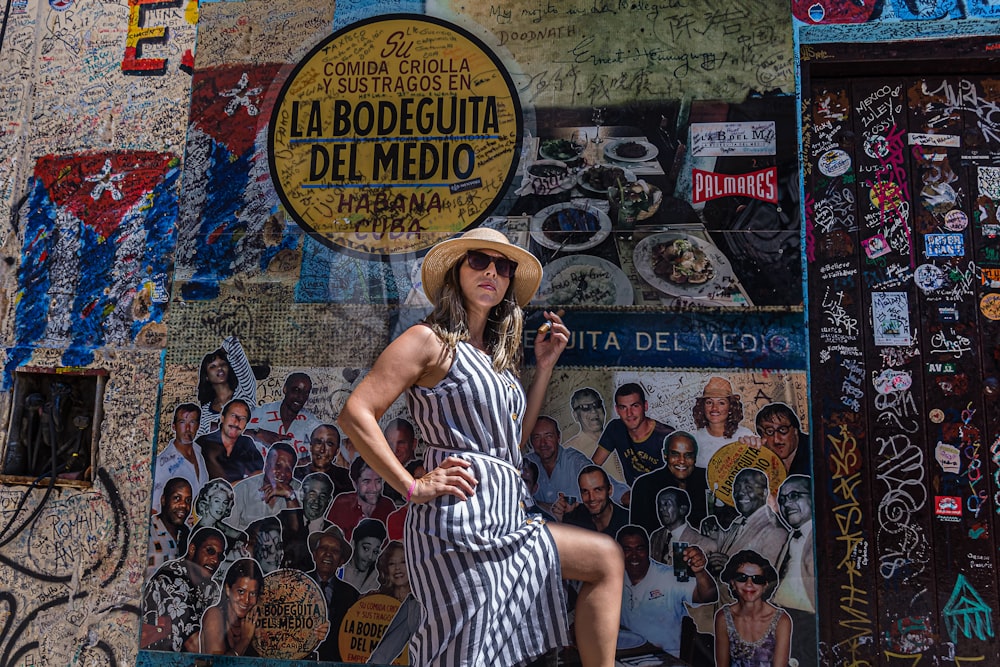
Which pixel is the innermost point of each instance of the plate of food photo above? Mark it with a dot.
(583, 280)
(560, 149)
(599, 177)
(631, 150)
(683, 266)
(570, 226)
(547, 177)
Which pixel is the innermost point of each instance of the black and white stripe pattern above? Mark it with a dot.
(472, 408)
(487, 577)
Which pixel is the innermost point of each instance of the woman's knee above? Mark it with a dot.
(612, 556)
(605, 560)
(588, 555)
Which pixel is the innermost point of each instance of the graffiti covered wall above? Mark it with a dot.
(901, 251)
(90, 170)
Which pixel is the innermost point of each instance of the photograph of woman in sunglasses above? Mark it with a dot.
(751, 632)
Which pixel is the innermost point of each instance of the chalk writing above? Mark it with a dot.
(900, 472)
(851, 388)
(840, 321)
(854, 603)
(950, 342)
(963, 97)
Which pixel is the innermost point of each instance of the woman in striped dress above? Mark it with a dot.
(487, 575)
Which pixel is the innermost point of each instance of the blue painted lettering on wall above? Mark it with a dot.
(690, 340)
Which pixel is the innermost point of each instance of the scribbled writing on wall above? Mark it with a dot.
(139, 33)
(590, 53)
(228, 203)
(73, 540)
(889, 190)
(904, 550)
(855, 620)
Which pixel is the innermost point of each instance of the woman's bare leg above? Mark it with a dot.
(596, 560)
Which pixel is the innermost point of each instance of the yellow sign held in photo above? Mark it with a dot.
(734, 457)
(364, 624)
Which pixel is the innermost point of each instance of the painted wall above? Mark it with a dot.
(147, 230)
(90, 174)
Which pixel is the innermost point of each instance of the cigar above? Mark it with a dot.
(546, 325)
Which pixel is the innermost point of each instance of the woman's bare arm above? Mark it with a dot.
(418, 356)
(548, 347)
(782, 640)
(721, 640)
(213, 632)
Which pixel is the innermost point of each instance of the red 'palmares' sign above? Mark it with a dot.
(762, 184)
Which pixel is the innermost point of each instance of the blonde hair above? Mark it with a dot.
(504, 326)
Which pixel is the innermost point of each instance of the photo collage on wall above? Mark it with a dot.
(676, 422)
(270, 536)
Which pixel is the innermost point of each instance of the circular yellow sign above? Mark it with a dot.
(292, 616)
(394, 133)
(734, 457)
(364, 624)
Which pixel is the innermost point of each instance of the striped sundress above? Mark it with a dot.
(487, 576)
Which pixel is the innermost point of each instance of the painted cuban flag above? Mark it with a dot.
(99, 235)
(229, 222)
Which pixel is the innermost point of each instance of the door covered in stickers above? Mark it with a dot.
(904, 260)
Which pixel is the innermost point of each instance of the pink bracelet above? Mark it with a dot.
(409, 494)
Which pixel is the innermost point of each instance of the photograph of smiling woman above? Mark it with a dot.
(227, 627)
(717, 414)
(751, 632)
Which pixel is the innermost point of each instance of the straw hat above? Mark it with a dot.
(445, 254)
(717, 388)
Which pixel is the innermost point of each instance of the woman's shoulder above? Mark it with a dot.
(782, 615)
(213, 613)
(420, 341)
(772, 613)
(416, 342)
(421, 329)
(419, 334)
(727, 610)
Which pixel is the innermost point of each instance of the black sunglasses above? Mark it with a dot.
(741, 577)
(478, 261)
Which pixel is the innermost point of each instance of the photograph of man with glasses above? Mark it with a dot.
(590, 416)
(796, 592)
(779, 430)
